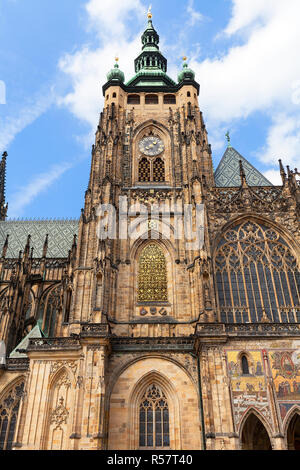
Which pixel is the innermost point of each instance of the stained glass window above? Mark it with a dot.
(9, 408)
(152, 279)
(257, 276)
(154, 419)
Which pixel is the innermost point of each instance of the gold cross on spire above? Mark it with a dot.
(149, 12)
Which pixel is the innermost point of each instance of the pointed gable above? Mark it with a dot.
(228, 171)
(36, 332)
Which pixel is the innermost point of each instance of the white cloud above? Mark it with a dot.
(109, 17)
(283, 140)
(87, 68)
(194, 15)
(258, 75)
(15, 122)
(261, 74)
(40, 183)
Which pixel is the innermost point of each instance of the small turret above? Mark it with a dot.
(116, 75)
(186, 73)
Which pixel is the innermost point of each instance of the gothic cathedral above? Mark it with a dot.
(144, 341)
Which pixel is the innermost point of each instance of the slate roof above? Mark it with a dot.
(61, 234)
(228, 172)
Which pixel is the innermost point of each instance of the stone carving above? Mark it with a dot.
(59, 415)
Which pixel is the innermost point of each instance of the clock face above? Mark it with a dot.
(151, 146)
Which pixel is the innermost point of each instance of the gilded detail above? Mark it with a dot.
(152, 275)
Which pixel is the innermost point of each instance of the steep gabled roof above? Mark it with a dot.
(61, 234)
(228, 172)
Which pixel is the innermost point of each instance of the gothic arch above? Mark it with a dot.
(10, 401)
(126, 387)
(49, 306)
(167, 174)
(256, 273)
(255, 432)
(59, 412)
(292, 419)
(154, 378)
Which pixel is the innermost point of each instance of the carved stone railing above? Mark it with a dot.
(153, 344)
(18, 364)
(253, 329)
(93, 330)
(50, 344)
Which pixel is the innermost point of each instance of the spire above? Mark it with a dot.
(242, 174)
(5, 246)
(282, 172)
(151, 60)
(3, 206)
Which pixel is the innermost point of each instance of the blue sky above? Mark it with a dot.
(54, 56)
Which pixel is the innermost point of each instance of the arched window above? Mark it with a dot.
(151, 99)
(257, 276)
(152, 280)
(48, 310)
(188, 94)
(158, 170)
(169, 99)
(114, 95)
(133, 99)
(245, 365)
(154, 419)
(9, 408)
(144, 171)
(152, 171)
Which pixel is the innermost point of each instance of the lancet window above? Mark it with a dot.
(9, 408)
(151, 170)
(48, 311)
(154, 419)
(257, 276)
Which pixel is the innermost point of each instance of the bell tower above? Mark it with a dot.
(151, 151)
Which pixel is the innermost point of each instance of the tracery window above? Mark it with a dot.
(257, 276)
(50, 304)
(152, 280)
(144, 170)
(9, 408)
(154, 419)
(158, 170)
(151, 170)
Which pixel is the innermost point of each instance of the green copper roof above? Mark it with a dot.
(116, 74)
(186, 73)
(36, 332)
(228, 171)
(61, 234)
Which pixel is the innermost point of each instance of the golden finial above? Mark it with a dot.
(149, 12)
(184, 58)
(117, 59)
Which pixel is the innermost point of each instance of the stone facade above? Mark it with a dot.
(220, 347)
